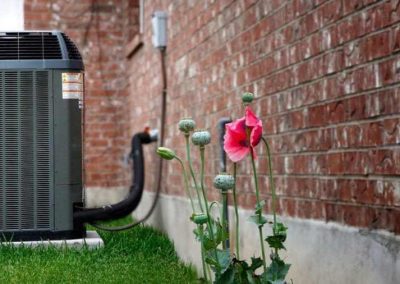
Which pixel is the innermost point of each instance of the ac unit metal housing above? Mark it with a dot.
(40, 137)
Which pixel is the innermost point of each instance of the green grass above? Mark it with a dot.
(140, 255)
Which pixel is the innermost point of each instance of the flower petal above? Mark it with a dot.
(256, 133)
(234, 135)
(251, 119)
(238, 126)
(235, 140)
(237, 153)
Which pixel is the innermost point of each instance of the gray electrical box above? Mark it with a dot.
(159, 23)
(41, 94)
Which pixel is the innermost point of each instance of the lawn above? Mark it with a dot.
(139, 255)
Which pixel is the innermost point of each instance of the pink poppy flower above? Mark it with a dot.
(237, 144)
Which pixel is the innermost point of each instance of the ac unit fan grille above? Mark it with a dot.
(73, 52)
(24, 151)
(29, 45)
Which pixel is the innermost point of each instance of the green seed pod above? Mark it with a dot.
(201, 137)
(224, 182)
(166, 153)
(186, 125)
(247, 98)
(199, 218)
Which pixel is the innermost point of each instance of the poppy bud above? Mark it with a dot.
(166, 153)
(247, 98)
(199, 219)
(186, 125)
(201, 137)
(224, 182)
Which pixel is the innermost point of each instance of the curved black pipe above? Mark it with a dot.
(221, 129)
(160, 160)
(126, 206)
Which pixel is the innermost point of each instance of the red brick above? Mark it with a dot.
(336, 112)
(391, 131)
(396, 38)
(317, 116)
(384, 161)
(377, 45)
(331, 12)
(351, 6)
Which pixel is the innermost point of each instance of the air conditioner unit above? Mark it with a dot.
(41, 93)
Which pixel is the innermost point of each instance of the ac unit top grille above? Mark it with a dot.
(73, 52)
(37, 45)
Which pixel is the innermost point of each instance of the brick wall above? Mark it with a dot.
(326, 75)
(100, 29)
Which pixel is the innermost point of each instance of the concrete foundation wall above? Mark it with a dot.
(100, 196)
(319, 252)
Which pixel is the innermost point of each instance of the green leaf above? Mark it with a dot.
(197, 233)
(208, 243)
(278, 282)
(255, 263)
(275, 242)
(212, 262)
(224, 259)
(240, 268)
(220, 262)
(252, 278)
(218, 234)
(276, 272)
(259, 207)
(280, 230)
(227, 277)
(259, 220)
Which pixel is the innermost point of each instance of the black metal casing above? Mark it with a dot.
(40, 136)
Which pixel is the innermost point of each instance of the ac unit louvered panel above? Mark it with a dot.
(51, 47)
(8, 46)
(30, 47)
(42, 150)
(12, 173)
(73, 52)
(33, 45)
(24, 151)
(27, 131)
(2, 152)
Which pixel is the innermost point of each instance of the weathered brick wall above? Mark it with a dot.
(326, 75)
(100, 29)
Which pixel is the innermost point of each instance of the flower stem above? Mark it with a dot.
(224, 218)
(193, 209)
(210, 230)
(271, 179)
(200, 228)
(191, 171)
(272, 184)
(258, 204)
(186, 183)
(235, 204)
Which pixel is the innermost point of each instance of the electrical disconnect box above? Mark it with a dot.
(41, 94)
(159, 23)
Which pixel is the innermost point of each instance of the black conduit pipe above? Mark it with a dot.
(160, 144)
(126, 206)
(221, 129)
(162, 133)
